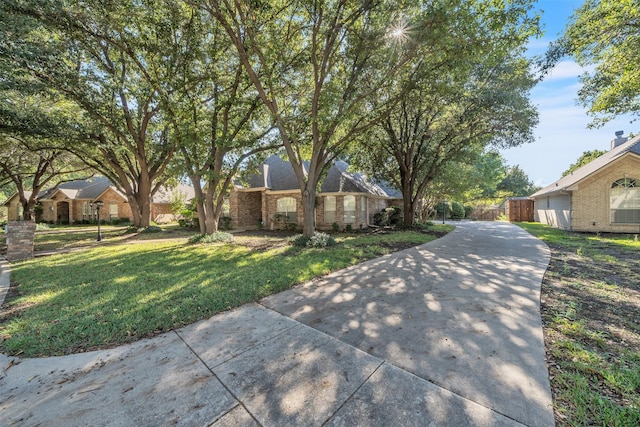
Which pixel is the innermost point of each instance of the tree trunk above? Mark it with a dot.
(212, 216)
(408, 207)
(308, 210)
(202, 215)
(141, 209)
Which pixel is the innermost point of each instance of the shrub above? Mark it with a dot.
(388, 216)
(42, 226)
(335, 227)
(321, 240)
(442, 209)
(318, 240)
(225, 223)
(381, 218)
(468, 211)
(457, 210)
(348, 228)
(218, 237)
(299, 240)
(150, 229)
(115, 221)
(395, 215)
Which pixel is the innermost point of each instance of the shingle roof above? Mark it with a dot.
(163, 195)
(278, 174)
(92, 188)
(631, 146)
(79, 189)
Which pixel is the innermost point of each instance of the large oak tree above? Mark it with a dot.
(100, 56)
(325, 69)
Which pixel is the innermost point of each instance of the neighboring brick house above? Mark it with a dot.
(272, 198)
(71, 202)
(602, 196)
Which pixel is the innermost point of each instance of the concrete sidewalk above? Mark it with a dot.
(446, 334)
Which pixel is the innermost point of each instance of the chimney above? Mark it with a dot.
(619, 139)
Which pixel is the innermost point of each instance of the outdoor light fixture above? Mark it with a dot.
(98, 204)
(444, 210)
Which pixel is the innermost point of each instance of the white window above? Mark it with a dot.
(286, 207)
(625, 201)
(329, 209)
(20, 212)
(349, 209)
(113, 211)
(363, 210)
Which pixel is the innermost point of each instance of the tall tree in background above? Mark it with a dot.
(586, 157)
(433, 128)
(323, 69)
(30, 169)
(99, 56)
(516, 183)
(30, 162)
(604, 33)
(215, 115)
(481, 99)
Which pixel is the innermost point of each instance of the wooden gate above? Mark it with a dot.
(520, 210)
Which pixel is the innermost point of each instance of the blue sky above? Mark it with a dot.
(562, 134)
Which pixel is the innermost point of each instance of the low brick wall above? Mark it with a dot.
(20, 240)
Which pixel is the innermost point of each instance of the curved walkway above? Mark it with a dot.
(445, 334)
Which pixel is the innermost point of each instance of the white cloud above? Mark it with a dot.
(567, 70)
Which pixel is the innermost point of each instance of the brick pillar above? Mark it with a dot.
(20, 240)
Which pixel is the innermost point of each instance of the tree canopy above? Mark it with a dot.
(605, 35)
(194, 87)
(458, 109)
(104, 58)
(586, 157)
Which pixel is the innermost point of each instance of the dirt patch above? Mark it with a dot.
(590, 305)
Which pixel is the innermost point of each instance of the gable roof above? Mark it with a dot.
(7, 202)
(93, 188)
(630, 147)
(277, 174)
(89, 188)
(164, 194)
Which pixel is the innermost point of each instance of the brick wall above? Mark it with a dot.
(160, 209)
(271, 206)
(591, 200)
(370, 204)
(245, 208)
(248, 208)
(20, 240)
(12, 210)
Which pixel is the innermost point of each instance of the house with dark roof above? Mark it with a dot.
(72, 202)
(601, 196)
(272, 198)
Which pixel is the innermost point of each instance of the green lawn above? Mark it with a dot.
(116, 293)
(591, 316)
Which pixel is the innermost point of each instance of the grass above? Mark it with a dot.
(590, 307)
(117, 293)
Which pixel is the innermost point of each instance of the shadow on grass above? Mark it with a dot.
(118, 294)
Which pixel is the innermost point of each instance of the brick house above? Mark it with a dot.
(71, 202)
(602, 196)
(272, 198)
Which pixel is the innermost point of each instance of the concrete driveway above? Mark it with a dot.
(445, 334)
